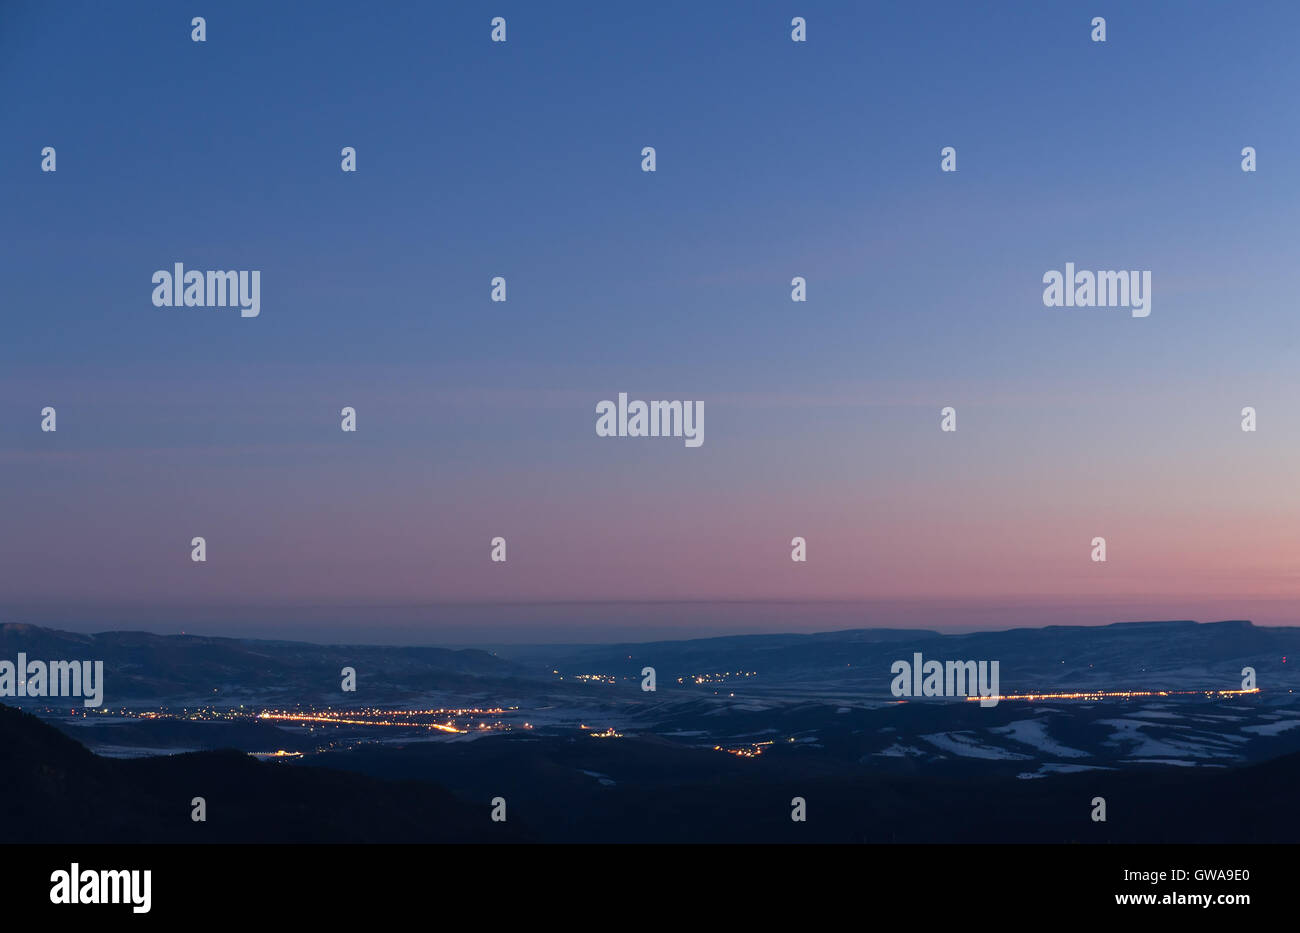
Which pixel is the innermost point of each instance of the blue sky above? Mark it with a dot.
(775, 159)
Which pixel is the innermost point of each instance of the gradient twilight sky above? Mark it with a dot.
(477, 419)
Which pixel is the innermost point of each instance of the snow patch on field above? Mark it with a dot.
(1144, 747)
(1163, 761)
(1053, 767)
(1033, 733)
(966, 745)
(902, 751)
(1273, 728)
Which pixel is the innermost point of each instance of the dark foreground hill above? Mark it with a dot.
(639, 790)
(634, 790)
(55, 790)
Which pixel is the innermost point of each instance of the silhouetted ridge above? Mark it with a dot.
(57, 791)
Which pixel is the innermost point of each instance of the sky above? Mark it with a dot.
(476, 418)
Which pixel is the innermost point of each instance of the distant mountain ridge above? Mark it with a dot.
(142, 665)
(1155, 655)
(1160, 655)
